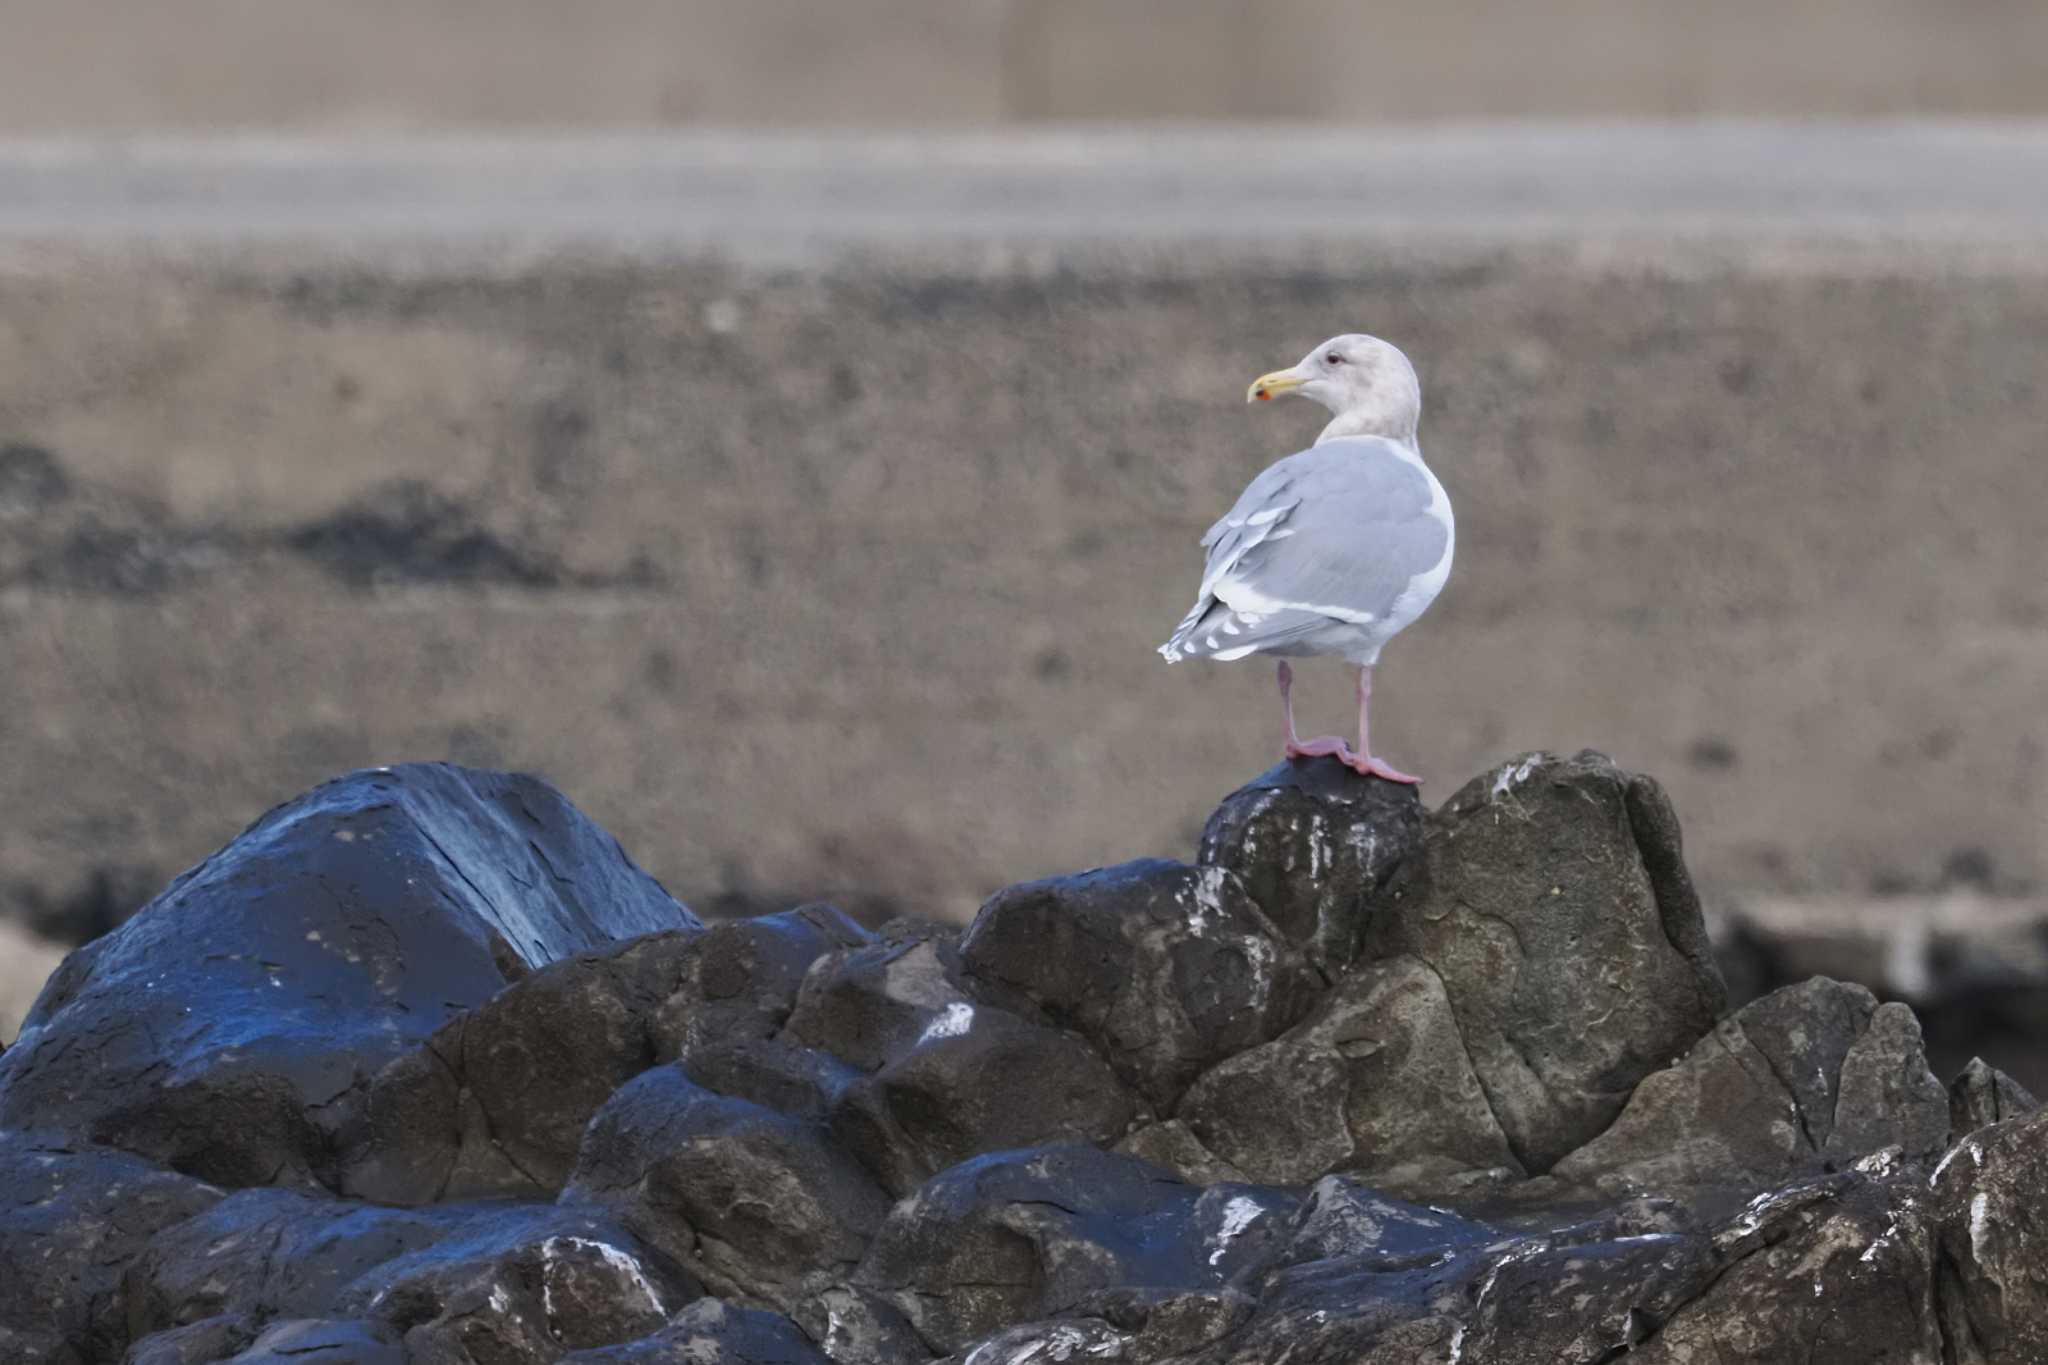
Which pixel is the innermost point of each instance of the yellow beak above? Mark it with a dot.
(1270, 386)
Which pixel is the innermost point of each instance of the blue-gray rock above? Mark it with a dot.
(709, 1332)
(750, 1200)
(227, 1028)
(71, 1218)
(1015, 1236)
(328, 1343)
(978, 1079)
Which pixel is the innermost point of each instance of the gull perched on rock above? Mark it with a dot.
(1336, 549)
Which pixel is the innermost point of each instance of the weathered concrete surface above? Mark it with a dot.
(842, 575)
(125, 65)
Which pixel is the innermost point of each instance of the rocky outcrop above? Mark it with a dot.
(1806, 1078)
(1556, 909)
(230, 1029)
(1322, 1097)
(1164, 968)
(422, 1070)
(71, 1217)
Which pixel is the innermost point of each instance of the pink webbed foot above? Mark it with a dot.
(1365, 765)
(1328, 746)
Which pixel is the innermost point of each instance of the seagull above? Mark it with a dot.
(1335, 549)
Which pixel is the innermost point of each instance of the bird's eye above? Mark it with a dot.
(1334, 358)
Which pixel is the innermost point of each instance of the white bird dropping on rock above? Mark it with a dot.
(1336, 549)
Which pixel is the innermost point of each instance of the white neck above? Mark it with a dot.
(1395, 425)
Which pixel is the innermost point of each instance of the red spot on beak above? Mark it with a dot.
(1265, 395)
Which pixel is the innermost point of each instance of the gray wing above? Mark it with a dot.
(1331, 535)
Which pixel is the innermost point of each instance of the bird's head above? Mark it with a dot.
(1366, 382)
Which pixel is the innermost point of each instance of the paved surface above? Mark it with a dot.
(768, 197)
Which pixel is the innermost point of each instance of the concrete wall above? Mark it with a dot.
(841, 576)
(126, 65)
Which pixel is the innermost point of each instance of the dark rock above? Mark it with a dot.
(520, 1282)
(1805, 1032)
(978, 1079)
(324, 1343)
(1073, 1338)
(1839, 1271)
(741, 979)
(1321, 849)
(750, 1200)
(1375, 1081)
(869, 1004)
(227, 1028)
(1983, 1095)
(1165, 968)
(200, 1343)
(1016, 1236)
(899, 1009)
(70, 1219)
(723, 1021)
(1887, 1095)
(1369, 1279)
(1823, 1269)
(269, 1253)
(730, 1109)
(1990, 1206)
(400, 1141)
(712, 1333)
(802, 1082)
(1559, 917)
(537, 1060)
(1811, 1076)
(1550, 1299)
(1172, 1145)
(1165, 1323)
(1342, 1219)
(856, 1327)
(497, 1100)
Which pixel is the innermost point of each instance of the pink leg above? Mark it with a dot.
(1363, 761)
(1297, 747)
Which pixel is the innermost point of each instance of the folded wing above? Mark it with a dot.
(1331, 536)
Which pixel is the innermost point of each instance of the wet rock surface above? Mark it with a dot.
(1362, 1084)
(229, 1028)
(1318, 852)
